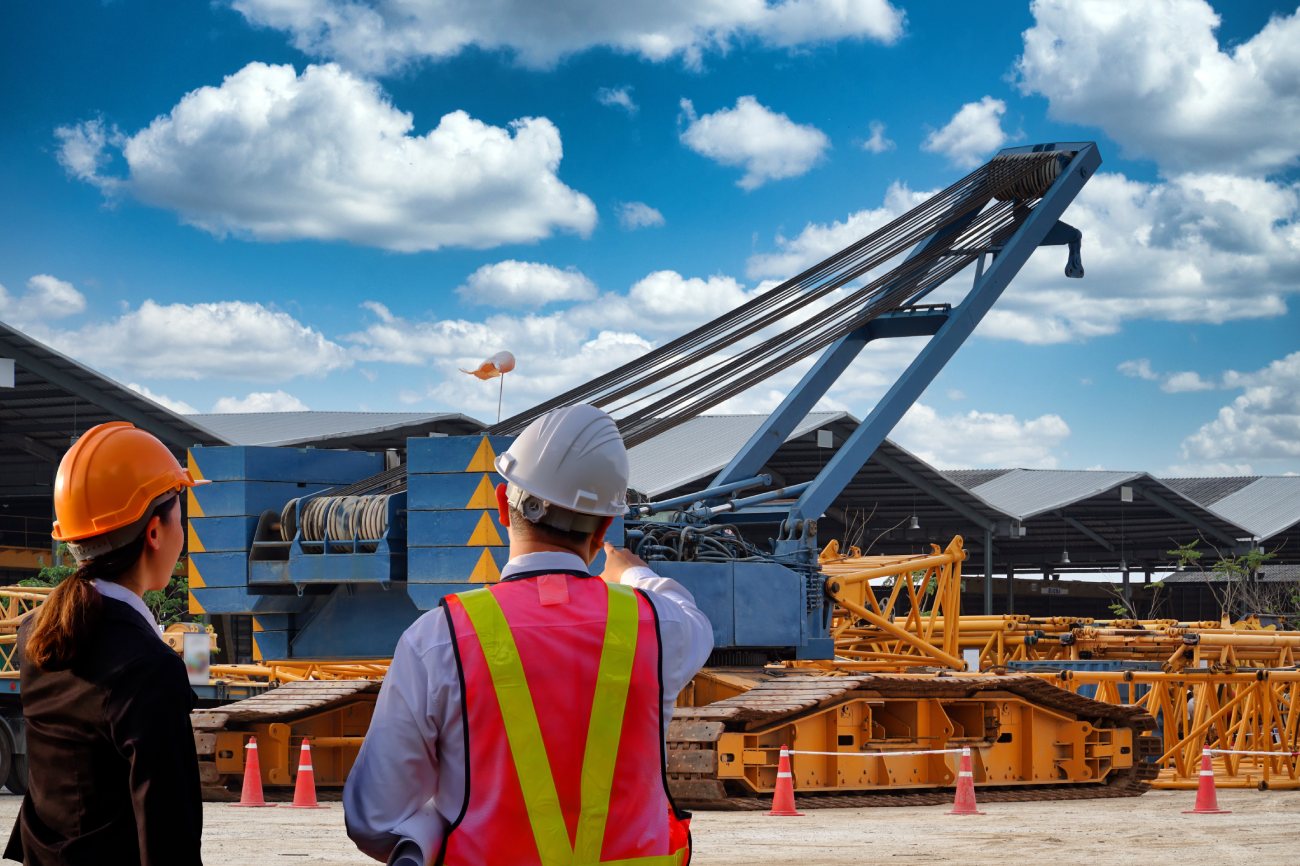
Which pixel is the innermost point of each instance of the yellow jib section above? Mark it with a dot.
(522, 729)
(606, 725)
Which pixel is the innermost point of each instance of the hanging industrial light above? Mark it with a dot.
(1065, 557)
(914, 523)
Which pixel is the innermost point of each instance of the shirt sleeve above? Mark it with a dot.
(685, 633)
(148, 712)
(388, 798)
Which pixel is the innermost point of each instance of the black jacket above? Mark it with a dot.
(113, 774)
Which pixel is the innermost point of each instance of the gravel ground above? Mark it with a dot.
(1261, 831)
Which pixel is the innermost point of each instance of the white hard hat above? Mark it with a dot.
(572, 458)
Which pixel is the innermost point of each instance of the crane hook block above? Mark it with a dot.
(1065, 234)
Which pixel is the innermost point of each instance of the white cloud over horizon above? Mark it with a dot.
(178, 406)
(260, 401)
(387, 35)
(272, 155)
(224, 340)
(1260, 425)
(768, 145)
(976, 440)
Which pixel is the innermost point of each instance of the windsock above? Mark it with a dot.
(501, 362)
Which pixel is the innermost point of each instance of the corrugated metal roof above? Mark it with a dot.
(1023, 493)
(700, 448)
(1266, 506)
(1208, 491)
(293, 428)
(1270, 573)
(972, 478)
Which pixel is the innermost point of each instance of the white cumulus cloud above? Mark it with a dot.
(768, 145)
(1261, 425)
(385, 35)
(972, 134)
(260, 401)
(638, 215)
(46, 298)
(529, 284)
(981, 439)
(178, 406)
(1154, 76)
(225, 339)
(1195, 248)
(273, 155)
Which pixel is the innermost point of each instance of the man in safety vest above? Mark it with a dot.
(524, 723)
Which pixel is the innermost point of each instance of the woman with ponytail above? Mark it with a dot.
(113, 777)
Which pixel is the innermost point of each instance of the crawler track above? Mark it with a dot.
(785, 698)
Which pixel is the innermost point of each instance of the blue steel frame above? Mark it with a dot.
(947, 329)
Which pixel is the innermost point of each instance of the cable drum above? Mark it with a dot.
(1038, 172)
(344, 518)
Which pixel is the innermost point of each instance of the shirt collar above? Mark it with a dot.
(545, 560)
(117, 592)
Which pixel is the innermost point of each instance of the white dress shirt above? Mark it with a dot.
(116, 591)
(408, 782)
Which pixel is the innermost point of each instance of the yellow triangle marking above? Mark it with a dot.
(193, 465)
(257, 650)
(486, 570)
(485, 534)
(257, 626)
(485, 495)
(196, 579)
(194, 544)
(192, 507)
(194, 605)
(483, 458)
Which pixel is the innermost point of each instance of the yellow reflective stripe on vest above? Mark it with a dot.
(524, 734)
(606, 726)
(522, 729)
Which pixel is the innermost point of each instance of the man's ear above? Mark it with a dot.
(597, 539)
(503, 505)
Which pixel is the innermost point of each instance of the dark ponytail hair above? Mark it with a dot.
(69, 615)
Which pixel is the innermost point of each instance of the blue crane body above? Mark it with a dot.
(327, 572)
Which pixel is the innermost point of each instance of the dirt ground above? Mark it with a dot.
(1262, 830)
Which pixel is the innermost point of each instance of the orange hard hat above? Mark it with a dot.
(109, 479)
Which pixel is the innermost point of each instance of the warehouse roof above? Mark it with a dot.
(1266, 506)
(700, 448)
(367, 430)
(1210, 490)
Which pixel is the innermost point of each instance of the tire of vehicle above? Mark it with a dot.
(16, 778)
(7, 755)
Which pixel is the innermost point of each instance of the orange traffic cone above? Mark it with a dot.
(964, 802)
(783, 796)
(1207, 798)
(304, 789)
(251, 794)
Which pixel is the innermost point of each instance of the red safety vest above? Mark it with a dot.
(562, 703)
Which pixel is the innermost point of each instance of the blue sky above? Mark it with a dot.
(334, 205)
